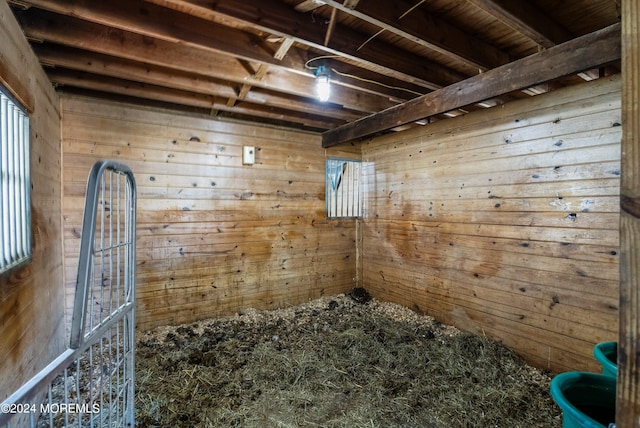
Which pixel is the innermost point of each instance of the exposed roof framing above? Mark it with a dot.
(595, 49)
(526, 18)
(255, 59)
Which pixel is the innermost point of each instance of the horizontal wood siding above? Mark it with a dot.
(31, 297)
(505, 222)
(214, 236)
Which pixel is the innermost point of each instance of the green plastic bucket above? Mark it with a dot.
(607, 355)
(587, 400)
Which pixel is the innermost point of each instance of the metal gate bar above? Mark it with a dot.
(91, 384)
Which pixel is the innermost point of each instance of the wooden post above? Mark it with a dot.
(628, 395)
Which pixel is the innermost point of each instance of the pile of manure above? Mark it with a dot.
(334, 362)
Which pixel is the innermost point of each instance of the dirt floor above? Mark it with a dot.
(340, 361)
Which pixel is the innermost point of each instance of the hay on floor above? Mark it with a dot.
(334, 362)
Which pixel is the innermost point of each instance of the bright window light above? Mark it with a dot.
(15, 179)
(343, 192)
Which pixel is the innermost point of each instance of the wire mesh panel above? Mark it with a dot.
(92, 383)
(343, 193)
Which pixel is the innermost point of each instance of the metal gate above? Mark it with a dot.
(91, 384)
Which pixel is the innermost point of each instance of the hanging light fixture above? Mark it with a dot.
(323, 83)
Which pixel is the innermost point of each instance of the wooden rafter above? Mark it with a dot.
(224, 49)
(526, 18)
(160, 23)
(100, 65)
(258, 74)
(136, 47)
(473, 53)
(586, 52)
(275, 18)
(261, 71)
(197, 32)
(152, 92)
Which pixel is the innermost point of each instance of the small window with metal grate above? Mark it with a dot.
(15, 189)
(343, 192)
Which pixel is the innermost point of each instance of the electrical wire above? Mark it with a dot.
(369, 39)
(307, 66)
(353, 76)
(411, 9)
(382, 30)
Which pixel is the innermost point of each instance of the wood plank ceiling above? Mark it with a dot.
(256, 59)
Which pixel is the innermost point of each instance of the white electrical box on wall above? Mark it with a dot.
(248, 155)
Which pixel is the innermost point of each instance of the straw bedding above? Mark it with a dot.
(339, 361)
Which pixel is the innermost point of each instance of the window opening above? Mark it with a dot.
(15, 178)
(343, 193)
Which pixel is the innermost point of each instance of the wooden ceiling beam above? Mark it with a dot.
(119, 43)
(97, 64)
(275, 17)
(525, 18)
(530, 21)
(155, 21)
(442, 37)
(159, 22)
(162, 23)
(583, 53)
(175, 96)
(427, 31)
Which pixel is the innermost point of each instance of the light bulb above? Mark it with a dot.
(323, 83)
(323, 87)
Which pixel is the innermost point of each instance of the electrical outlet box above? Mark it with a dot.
(248, 155)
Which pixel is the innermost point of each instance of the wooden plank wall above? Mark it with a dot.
(214, 236)
(505, 222)
(31, 297)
